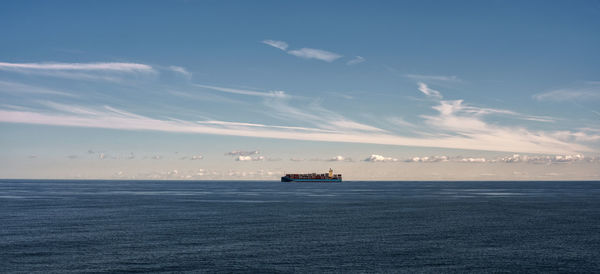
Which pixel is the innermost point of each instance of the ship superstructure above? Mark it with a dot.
(313, 177)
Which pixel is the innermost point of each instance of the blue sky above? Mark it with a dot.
(240, 90)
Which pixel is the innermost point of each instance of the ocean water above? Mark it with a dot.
(227, 226)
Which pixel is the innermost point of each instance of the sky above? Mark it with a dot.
(245, 90)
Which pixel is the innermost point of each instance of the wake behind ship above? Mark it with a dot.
(313, 177)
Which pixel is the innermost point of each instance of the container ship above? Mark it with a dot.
(313, 177)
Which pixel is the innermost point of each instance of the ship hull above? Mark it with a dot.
(290, 180)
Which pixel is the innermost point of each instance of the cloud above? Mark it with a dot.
(421, 77)
(515, 158)
(399, 121)
(455, 130)
(242, 153)
(339, 158)
(18, 88)
(356, 60)
(429, 92)
(180, 70)
(586, 92)
(308, 53)
(244, 125)
(242, 158)
(472, 160)
(428, 159)
(544, 159)
(379, 158)
(100, 71)
(277, 44)
(454, 125)
(275, 93)
(123, 67)
(578, 136)
(314, 113)
(193, 157)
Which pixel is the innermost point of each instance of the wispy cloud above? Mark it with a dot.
(587, 91)
(100, 71)
(18, 88)
(429, 91)
(277, 44)
(356, 60)
(308, 53)
(124, 67)
(275, 93)
(314, 113)
(422, 77)
(245, 125)
(180, 70)
(469, 133)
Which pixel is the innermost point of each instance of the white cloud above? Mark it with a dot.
(399, 121)
(339, 158)
(18, 88)
(422, 77)
(465, 124)
(242, 153)
(429, 92)
(275, 93)
(379, 158)
(308, 53)
(277, 44)
(249, 158)
(356, 60)
(123, 67)
(180, 70)
(428, 159)
(314, 113)
(456, 125)
(586, 92)
(244, 125)
(101, 71)
(456, 130)
(579, 136)
(196, 157)
(544, 159)
(472, 160)
(347, 124)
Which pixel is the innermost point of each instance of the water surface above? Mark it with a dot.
(228, 226)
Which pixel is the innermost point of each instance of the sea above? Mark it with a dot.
(106, 226)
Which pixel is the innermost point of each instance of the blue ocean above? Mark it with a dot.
(268, 226)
